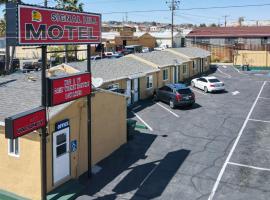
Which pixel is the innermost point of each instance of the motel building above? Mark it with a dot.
(58, 132)
(67, 139)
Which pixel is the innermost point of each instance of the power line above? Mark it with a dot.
(195, 8)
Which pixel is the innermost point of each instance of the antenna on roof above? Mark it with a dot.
(97, 82)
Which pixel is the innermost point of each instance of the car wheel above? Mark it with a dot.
(192, 84)
(205, 89)
(172, 104)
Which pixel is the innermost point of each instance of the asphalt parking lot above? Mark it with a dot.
(218, 149)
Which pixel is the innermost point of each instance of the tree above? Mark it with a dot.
(70, 5)
(213, 25)
(202, 25)
(2, 28)
(8, 60)
(241, 20)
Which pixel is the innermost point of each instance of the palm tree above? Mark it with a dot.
(3, 33)
(70, 5)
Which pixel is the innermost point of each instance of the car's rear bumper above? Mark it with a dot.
(184, 102)
(216, 89)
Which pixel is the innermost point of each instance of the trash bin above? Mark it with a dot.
(131, 124)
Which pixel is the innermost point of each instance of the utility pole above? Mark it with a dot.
(45, 3)
(173, 5)
(44, 129)
(126, 17)
(225, 20)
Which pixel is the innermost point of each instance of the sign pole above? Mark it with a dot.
(89, 116)
(44, 132)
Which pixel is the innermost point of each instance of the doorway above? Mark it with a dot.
(61, 157)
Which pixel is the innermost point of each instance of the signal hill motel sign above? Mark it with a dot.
(31, 25)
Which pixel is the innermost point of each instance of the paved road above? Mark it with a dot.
(219, 149)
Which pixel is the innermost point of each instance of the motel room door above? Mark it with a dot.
(135, 90)
(176, 74)
(128, 91)
(61, 156)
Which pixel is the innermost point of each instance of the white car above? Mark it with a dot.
(208, 84)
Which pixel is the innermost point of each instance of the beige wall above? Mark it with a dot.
(147, 40)
(76, 113)
(161, 82)
(122, 84)
(21, 174)
(144, 92)
(109, 132)
(253, 58)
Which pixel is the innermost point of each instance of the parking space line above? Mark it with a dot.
(228, 75)
(265, 98)
(195, 90)
(149, 127)
(137, 107)
(249, 166)
(238, 70)
(212, 194)
(168, 110)
(257, 120)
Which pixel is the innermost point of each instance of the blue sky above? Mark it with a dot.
(185, 16)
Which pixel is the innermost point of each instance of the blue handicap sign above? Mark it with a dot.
(73, 146)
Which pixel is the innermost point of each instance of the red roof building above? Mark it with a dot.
(223, 42)
(223, 32)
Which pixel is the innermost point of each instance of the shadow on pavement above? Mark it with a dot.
(150, 179)
(141, 105)
(119, 162)
(157, 180)
(194, 106)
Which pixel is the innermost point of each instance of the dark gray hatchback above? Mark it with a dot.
(175, 95)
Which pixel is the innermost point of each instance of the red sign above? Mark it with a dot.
(65, 89)
(24, 123)
(44, 26)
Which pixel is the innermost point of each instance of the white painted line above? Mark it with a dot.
(249, 166)
(149, 127)
(257, 120)
(265, 98)
(152, 171)
(168, 110)
(234, 146)
(228, 75)
(224, 66)
(137, 107)
(238, 71)
(235, 93)
(200, 92)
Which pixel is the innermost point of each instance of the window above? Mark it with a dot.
(13, 147)
(149, 81)
(184, 91)
(165, 74)
(203, 80)
(61, 142)
(213, 80)
(113, 86)
(167, 89)
(185, 69)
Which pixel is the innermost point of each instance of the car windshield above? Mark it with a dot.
(184, 91)
(214, 80)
